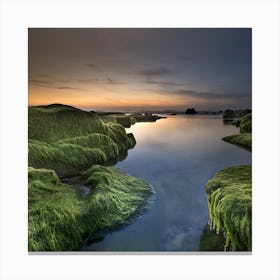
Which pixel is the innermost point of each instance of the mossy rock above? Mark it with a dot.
(55, 122)
(69, 140)
(243, 140)
(229, 196)
(60, 219)
(126, 120)
(246, 124)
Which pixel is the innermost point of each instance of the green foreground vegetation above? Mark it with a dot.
(69, 140)
(61, 217)
(244, 139)
(64, 141)
(229, 196)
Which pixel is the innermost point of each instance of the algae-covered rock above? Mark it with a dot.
(126, 120)
(65, 141)
(59, 219)
(246, 124)
(243, 140)
(54, 213)
(131, 140)
(229, 196)
(68, 140)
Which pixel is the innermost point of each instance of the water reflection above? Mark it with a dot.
(177, 155)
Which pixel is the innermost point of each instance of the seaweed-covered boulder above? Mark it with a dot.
(229, 195)
(243, 140)
(60, 219)
(68, 140)
(246, 124)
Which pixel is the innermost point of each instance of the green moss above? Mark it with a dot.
(59, 219)
(131, 140)
(55, 122)
(243, 140)
(66, 141)
(246, 124)
(126, 120)
(54, 213)
(229, 196)
(69, 140)
(116, 197)
(71, 155)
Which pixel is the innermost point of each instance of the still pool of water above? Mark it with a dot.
(177, 156)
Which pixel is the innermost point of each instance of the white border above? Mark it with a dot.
(17, 16)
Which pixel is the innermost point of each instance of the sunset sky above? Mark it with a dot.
(140, 69)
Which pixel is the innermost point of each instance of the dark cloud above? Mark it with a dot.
(39, 82)
(92, 66)
(82, 81)
(161, 83)
(154, 72)
(51, 82)
(198, 94)
(112, 82)
(166, 83)
(203, 95)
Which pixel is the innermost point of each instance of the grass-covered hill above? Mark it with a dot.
(229, 196)
(68, 140)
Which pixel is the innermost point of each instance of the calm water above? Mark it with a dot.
(177, 156)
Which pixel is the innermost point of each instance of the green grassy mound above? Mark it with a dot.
(69, 140)
(246, 124)
(243, 140)
(60, 219)
(229, 196)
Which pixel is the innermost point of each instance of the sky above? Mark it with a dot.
(140, 69)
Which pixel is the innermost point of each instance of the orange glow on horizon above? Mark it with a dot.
(103, 99)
